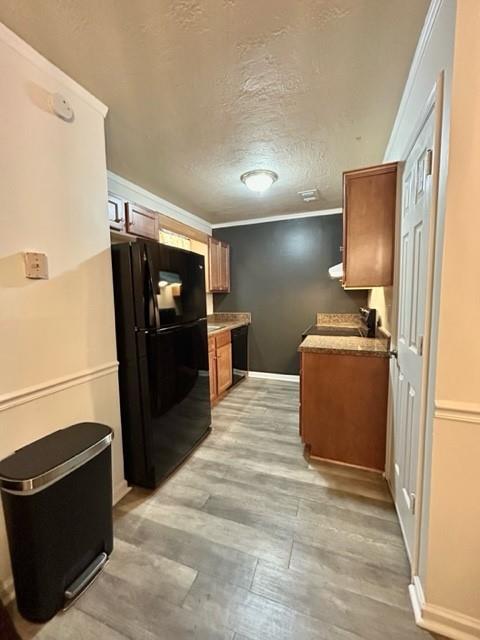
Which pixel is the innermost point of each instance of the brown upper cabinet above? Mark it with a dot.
(369, 202)
(219, 261)
(141, 222)
(116, 212)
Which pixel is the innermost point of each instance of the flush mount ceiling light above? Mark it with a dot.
(259, 180)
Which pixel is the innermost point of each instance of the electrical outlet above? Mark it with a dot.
(36, 265)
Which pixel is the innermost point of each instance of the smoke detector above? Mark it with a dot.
(309, 195)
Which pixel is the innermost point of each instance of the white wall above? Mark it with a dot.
(58, 355)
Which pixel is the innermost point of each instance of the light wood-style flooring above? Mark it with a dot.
(248, 541)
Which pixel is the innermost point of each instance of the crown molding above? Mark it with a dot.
(281, 218)
(423, 41)
(16, 43)
(131, 191)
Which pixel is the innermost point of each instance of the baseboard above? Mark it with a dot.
(120, 491)
(417, 598)
(441, 620)
(273, 376)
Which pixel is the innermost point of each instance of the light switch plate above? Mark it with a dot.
(36, 265)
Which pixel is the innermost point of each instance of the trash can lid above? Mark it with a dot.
(43, 462)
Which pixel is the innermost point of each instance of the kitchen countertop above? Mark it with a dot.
(345, 345)
(226, 326)
(228, 321)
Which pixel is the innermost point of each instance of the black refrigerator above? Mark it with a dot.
(162, 346)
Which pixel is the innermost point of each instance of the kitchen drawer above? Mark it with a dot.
(224, 338)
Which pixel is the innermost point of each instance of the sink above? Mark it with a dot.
(214, 327)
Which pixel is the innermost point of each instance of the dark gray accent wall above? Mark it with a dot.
(279, 272)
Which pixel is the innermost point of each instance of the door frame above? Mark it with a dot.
(434, 103)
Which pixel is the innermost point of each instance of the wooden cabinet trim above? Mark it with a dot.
(388, 167)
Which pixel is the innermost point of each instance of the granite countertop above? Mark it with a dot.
(228, 321)
(345, 345)
(339, 319)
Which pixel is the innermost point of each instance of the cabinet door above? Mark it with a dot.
(219, 259)
(224, 367)
(141, 222)
(214, 264)
(212, 365)
(369, 202)
(225, 266)
(116, 212)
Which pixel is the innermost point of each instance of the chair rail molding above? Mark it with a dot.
(49, 387)
(457, 411)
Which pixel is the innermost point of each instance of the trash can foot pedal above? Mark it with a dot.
(84, 580)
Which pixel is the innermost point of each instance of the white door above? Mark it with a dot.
(408, 369)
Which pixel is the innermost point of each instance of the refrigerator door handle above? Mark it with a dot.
(152, 294)
(178, 327)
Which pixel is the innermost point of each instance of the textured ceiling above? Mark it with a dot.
(201, 91)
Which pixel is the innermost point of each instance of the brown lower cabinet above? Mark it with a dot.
(343, 408)
(220, 364)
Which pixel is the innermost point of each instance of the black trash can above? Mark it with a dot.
(57, 501)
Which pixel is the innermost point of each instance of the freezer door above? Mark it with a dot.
(177, 400)
(176, 282)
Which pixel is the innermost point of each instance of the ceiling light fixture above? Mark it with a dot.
(259, 180)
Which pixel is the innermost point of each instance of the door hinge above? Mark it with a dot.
(413, 503)
(429, 163)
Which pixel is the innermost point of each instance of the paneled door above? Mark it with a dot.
(409, 367)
